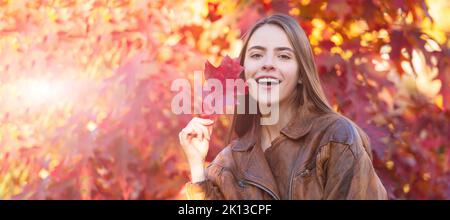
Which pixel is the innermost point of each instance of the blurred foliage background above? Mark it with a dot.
(85, 100)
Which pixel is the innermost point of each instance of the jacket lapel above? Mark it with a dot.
(252, 165)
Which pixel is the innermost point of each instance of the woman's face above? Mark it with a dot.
(270, 65)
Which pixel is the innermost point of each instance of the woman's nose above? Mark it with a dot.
(268, 65)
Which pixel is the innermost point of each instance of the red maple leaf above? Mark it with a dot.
(213, 14)
(228, 69)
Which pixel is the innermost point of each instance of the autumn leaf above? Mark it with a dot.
(213, 14)
(229, 69)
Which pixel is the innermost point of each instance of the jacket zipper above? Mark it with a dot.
(267, 190)
(302, 172)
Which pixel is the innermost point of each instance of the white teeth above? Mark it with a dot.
(268, 80)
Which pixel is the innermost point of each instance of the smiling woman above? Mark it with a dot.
(270, 60)
(311, 152)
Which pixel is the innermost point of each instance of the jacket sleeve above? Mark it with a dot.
(207, 189)
(349, 173)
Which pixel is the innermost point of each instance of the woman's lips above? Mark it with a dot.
(267, 82)
(268, 86)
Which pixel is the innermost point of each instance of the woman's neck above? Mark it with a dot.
(270, 132)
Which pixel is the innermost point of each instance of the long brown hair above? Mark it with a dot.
(309, 96)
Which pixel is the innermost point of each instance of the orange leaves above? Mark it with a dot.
(110, 64)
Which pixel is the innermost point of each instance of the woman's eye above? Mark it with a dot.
(256, 56)
(284, 57)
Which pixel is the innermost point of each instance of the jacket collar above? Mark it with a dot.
(251, 161)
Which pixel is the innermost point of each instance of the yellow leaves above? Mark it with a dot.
(383, 35)
(165, 54)
(336, 50)
(225, 7)
(425, 81)
(439, 11)
(317, 50)
(389, 164)
(51, 13)
(318, 28)
(305, 2)
(294, 11)
(406, 188)
(198, 8)
(226, 29)
(337, 39)
(434, 31)
(13, 181)
(105, 14)
(344, 54)
(336, 24)
(313, 40)
(318, 23)
(368, 38)
(409, 18)
(357, 28)
(439, 101)
(10, 41)
(53, 163)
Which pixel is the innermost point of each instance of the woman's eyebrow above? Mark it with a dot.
(276, 49)
(257, 48)
(284, 48)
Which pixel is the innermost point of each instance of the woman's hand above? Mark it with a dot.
(194, 140)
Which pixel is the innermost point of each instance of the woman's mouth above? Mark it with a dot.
(267, 82)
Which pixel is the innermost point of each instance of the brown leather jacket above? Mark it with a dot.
(315, 157)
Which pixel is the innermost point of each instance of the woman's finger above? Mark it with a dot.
(205, 131)
(183, 135)
(189, 130)
(198, 129)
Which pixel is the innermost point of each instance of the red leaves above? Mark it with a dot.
(226, 73)
(213, 14)
(228, 69)
(137, 58)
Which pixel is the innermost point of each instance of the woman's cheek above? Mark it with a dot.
(290, 86)
(250, 68)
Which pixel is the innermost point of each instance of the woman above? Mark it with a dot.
(312, 152)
